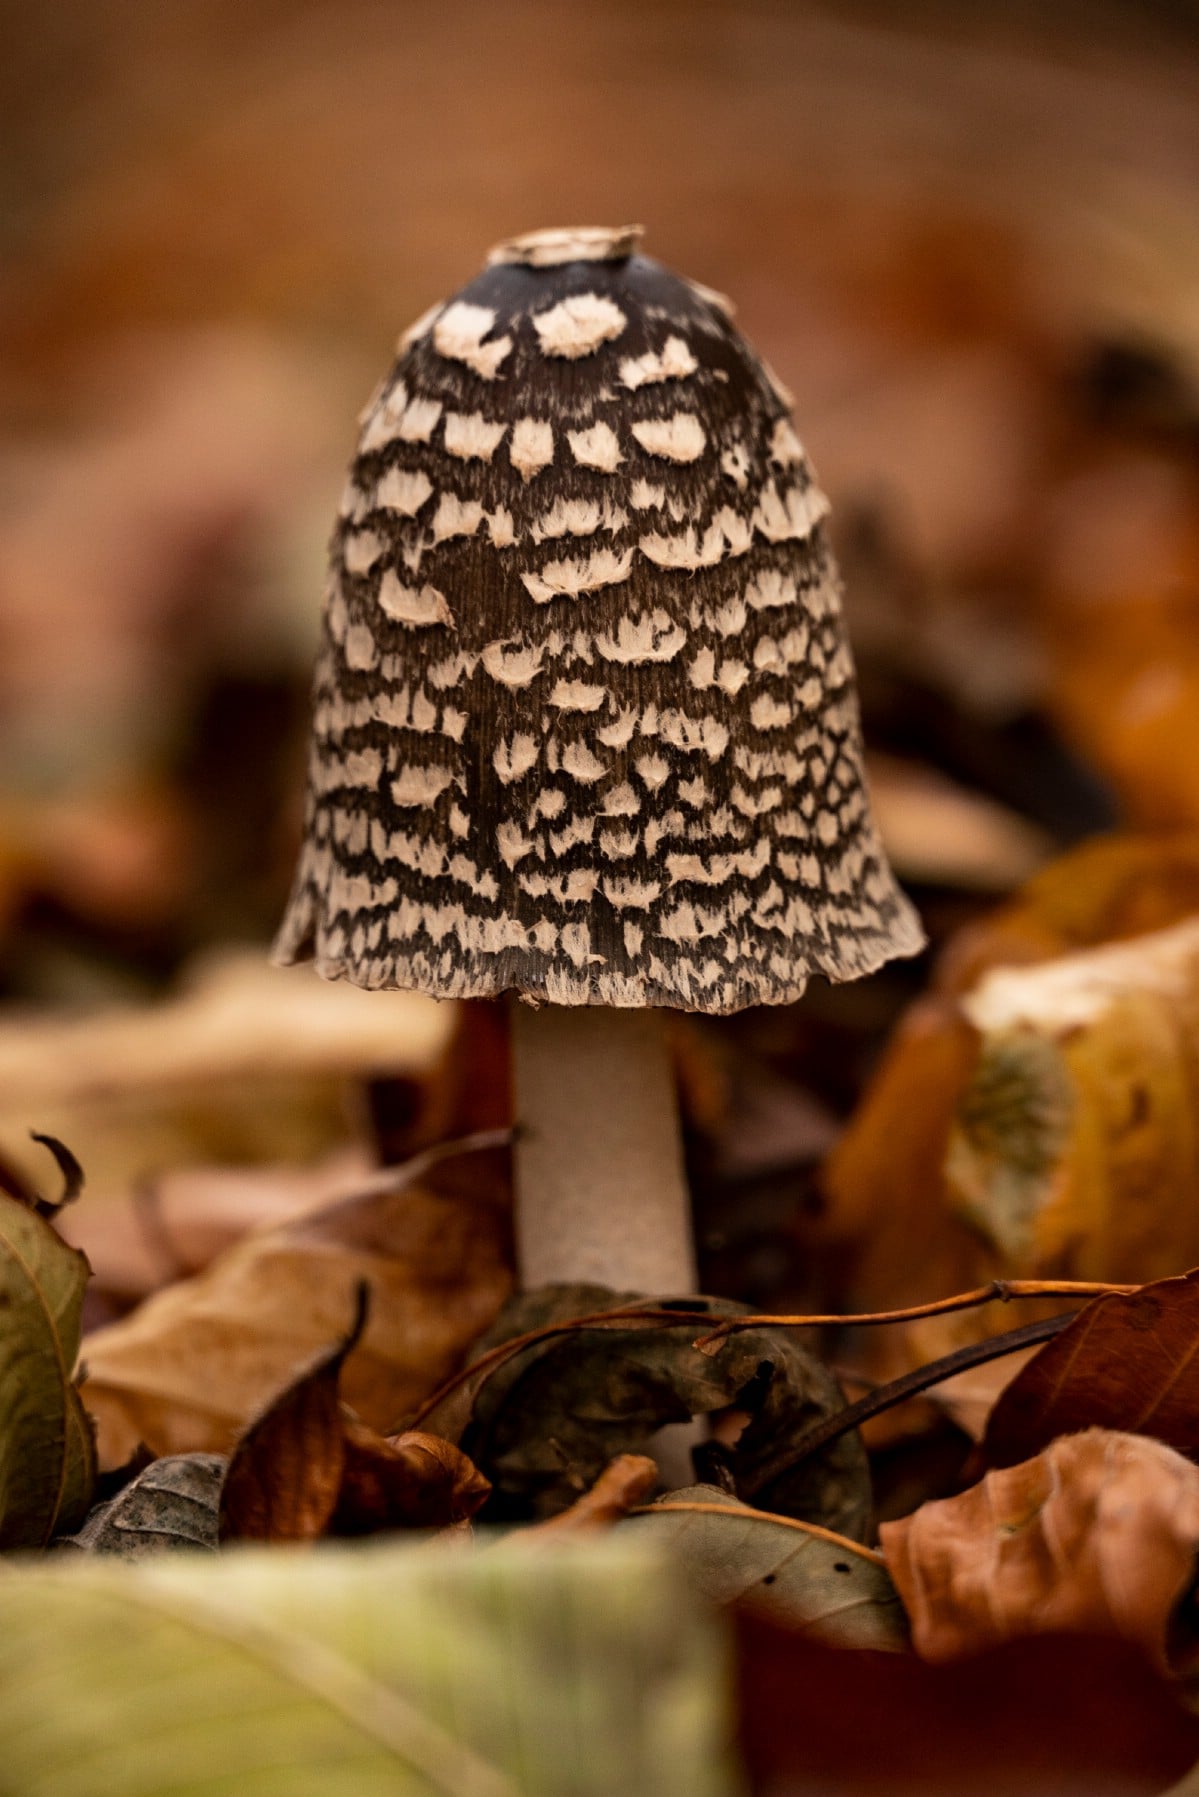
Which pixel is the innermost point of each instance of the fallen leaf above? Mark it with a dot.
(831, 1588)
(172, 1504)
(1097, 1535)
(938, 833)
(47, 1453)
(546, 1421)
(1126, 1362)
(287, 1469)
(1074, 1147)
(1108, 890)
(1052, 1716)
(245, 1067)
(172, 1225)
(412, 1481)
(1031, 1120)
(190, 1368)
(624, 1483)
(588, 1669)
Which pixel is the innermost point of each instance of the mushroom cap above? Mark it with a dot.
(585, 718)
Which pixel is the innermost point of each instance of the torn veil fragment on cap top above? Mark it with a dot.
(585, 717)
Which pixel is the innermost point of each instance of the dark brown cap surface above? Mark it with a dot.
(585, 722)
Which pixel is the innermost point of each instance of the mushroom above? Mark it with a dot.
(586, 728)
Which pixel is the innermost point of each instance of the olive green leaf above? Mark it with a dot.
(354, 1671)
(47, 1455)
(806, 1577)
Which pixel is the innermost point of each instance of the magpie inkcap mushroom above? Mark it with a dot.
(585, 722)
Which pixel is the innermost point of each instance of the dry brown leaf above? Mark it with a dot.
(189, 1369)
(1074, 1151)
(171, 1226)
(625, 1482)
(411, 1480)
(1127, 1361)
(286, 1471)
(1096, 1536)
(1036, 1121)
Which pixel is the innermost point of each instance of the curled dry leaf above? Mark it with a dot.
(830, 1588)
(1129, 1361)
(625, 1482)
(172, 1503)
(1096, 1536)
(545, 1421)
(308, 1466)
(47, 1453)
(192, 1367)
(412, 1480)
(286, 1472)
(371, 1670)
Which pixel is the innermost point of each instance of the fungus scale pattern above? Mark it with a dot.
(585, 718)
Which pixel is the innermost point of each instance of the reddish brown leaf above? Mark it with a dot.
(286, 1472)
(1062, 1716)
(411, 1481)
(1096, 1536)
(1126, 1362)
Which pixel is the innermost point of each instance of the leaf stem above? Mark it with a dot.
(885, 1397)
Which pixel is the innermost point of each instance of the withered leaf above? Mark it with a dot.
(1129, 1362)
(624, 1483)
(309, 1467)
(807, 1577)
(47, 1453)
(286, 1472)
(173, 1503)
(547, 1421)
(190, 1368)
(413, 1481)
(1097, 1535)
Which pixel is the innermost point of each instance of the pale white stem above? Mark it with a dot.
(601, 1196)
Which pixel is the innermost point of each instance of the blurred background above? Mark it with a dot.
(968, 240)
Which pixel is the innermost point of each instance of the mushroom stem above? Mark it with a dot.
(601, 1196)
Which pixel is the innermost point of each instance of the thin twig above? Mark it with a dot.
(1001, 1291)
(885, 1397)
(746, 1512)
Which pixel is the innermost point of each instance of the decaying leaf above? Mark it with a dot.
(1129, 1362)
(546, 1421)
(364, 1671)
(47, 1454)
(173, 1503)
(287, 1469)
(830, 1588)
(191, 1368)
(411, 1481)
(1097, 1535)
(1033, 1120)
(1074, 1146)
(625, 1482)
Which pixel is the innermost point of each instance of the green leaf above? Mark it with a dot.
(349, 1672)
(47, 1454)
(806, 1577)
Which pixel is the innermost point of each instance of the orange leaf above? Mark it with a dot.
(1096, 1536)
